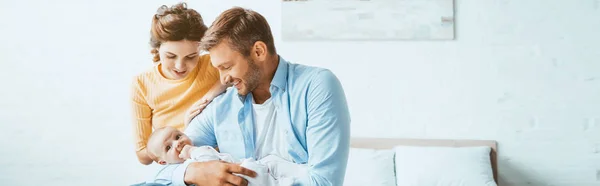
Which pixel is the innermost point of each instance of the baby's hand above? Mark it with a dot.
(186, 152)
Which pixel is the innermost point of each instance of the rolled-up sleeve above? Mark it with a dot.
(171, 175)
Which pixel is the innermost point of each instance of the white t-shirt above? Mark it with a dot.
(270, 136)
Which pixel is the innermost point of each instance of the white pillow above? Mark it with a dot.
(448, 166)
(370, 167)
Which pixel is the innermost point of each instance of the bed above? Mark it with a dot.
(387, 144)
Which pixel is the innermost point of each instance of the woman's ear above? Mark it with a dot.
(162, 162)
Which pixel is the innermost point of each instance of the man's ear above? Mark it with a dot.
(260, 51)
(162, 162)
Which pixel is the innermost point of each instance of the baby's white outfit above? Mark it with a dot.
(263, 175)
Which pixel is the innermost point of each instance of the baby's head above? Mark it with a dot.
(165, 144)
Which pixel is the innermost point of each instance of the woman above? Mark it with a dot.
(180, 84)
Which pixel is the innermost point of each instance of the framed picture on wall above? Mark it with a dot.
(367, 20)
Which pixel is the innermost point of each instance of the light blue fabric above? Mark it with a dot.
(148, 184)
(310, 102)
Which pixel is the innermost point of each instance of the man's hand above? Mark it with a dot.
(195, 109)
(216, 173)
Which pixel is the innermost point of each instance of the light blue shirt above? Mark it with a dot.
(312, 108)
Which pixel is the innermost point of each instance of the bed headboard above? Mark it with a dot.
(388, 143)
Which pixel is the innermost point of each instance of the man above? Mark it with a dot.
(275, 108)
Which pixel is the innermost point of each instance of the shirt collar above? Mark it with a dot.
(281, 75)
(279, 79)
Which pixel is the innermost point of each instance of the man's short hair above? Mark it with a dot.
(243, 27)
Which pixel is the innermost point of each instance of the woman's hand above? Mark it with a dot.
(196, 109)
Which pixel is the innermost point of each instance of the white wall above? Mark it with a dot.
(524, 73)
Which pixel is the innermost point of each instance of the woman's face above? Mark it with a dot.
(178, 58)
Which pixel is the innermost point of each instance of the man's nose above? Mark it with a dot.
(225, 79)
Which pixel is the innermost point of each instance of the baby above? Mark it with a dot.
(170, 146)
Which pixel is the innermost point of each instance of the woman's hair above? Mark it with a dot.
(175, 23)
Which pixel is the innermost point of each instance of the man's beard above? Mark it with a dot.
(251, 78)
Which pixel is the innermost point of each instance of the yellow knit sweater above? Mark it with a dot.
(158, 102)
